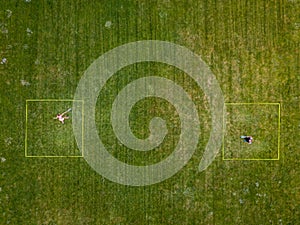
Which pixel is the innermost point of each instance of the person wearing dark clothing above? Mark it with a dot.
(247, 139)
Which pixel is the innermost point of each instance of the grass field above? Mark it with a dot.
(252, 47)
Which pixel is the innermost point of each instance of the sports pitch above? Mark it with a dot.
(251, 48)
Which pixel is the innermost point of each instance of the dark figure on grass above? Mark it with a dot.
(247, 139)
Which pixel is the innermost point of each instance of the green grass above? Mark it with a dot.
(41, 124)
(252, 47)
(261, 120)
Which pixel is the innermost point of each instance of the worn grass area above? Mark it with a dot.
(252, 47)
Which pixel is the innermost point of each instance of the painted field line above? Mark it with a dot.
(278, 132)
(252, 103)
(53, 100)
(26, 127)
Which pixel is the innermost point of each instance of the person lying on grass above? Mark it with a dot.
(247, 139)
(61, 116)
